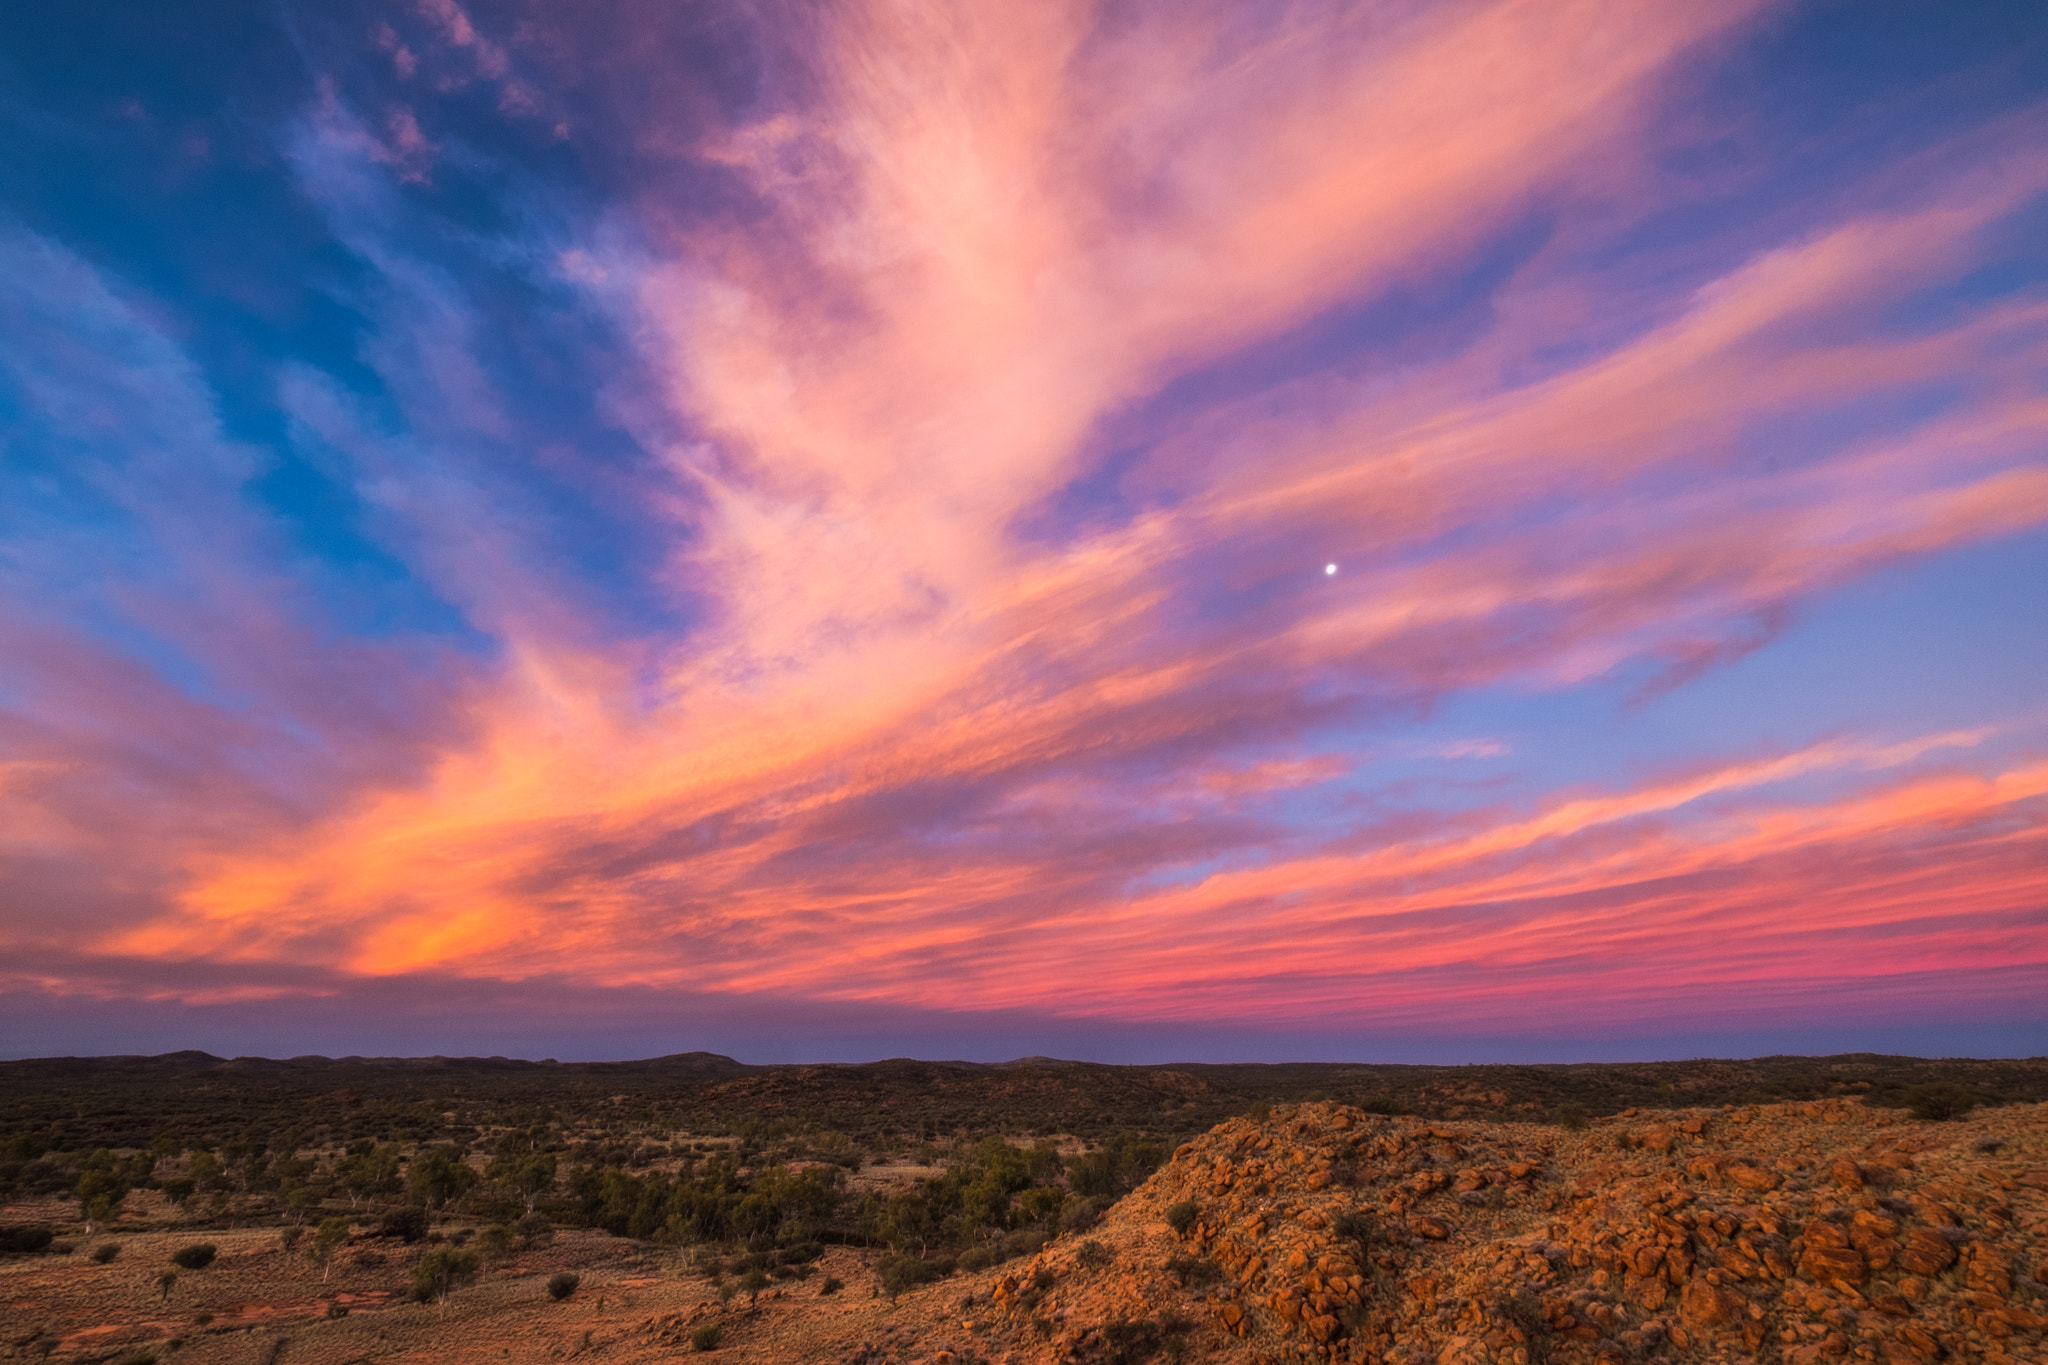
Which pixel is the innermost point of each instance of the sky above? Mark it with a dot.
(1411, 530)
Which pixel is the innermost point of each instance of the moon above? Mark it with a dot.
(1329, 569)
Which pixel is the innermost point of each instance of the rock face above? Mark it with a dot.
(1797, 1234)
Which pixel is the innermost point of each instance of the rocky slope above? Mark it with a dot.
(1793, 1233)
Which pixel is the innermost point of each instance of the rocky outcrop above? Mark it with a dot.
(1801, 1233)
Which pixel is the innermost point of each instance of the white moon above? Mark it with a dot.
(1329, 568)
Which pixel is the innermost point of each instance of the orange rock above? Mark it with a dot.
(1833, 1263)
(1752, 1177)
(1847, 1173)
(1823, 1234)
(1658, 1139)
(1430, 1226)
(1920, 1340)
(1646, 1292)
(1986, 1274)
(1695, 1125)
(1927, 1253)
(1703, 1305)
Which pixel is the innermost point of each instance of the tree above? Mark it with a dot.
(333, 1232)
(166, 1282)
(299, 1202)
(100, 1196)
(369, 1170)
(206, 1172)
(167, 1147)
(530, 1175)
(439, 1175)
(441, 1272)
(495, 1242)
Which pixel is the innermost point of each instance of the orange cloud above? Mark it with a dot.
(908, 752)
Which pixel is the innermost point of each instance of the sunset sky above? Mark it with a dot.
(1180, 530)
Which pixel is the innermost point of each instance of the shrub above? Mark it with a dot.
(495, 1242)
(562, 1284)
(1095, 1254)
(107, 1252)
(754, 1281)
(1127, 1343)
(26, 1241)
(976, 1260)
(903, 1271)
(833, 1284)
(1939, 1100)
(1194, 1271)
(1525, 1311)
(535, 1230)
(1356, 1225)
(198, 1256)
(1570, 1115)
(441, 1272)
(1082, 1214)
(1182, 1216)
(706, 1338)
(407, 1224)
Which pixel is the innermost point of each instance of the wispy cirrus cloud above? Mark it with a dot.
(991, 662)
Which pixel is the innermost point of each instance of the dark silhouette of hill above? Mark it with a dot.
(89, 1102)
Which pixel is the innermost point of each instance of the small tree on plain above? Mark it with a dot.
(441, 1272)
(333, 1232)
(100, 1196)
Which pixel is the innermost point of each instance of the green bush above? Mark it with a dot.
(1182, 1216)
(407, 1224)
(562, 1284)
(706, 1338)
(977, 1259)
(903, 1271)
(1570, 1115)
(1194, 1271)
(25, 1241)
(1082, 1214)
(833, 1284)
(198, 1256)
(495, 1242)
(441, 1272)
(106, 1252)
(1939, 1100)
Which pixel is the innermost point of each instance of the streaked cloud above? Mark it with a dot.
(873, 552)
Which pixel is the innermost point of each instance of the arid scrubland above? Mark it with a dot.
(1831, 1228)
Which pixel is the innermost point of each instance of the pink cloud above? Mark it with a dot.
(909, 753)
